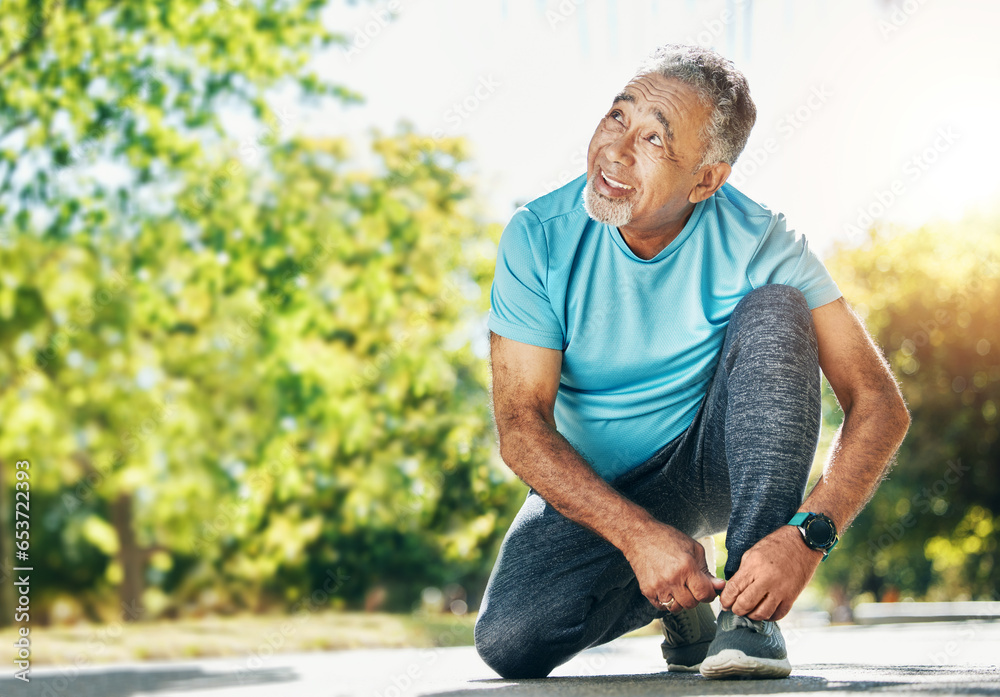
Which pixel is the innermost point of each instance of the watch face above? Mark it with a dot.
(820, 531)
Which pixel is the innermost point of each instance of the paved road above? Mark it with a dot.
(940, 658)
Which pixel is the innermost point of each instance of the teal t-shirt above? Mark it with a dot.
(640, 338)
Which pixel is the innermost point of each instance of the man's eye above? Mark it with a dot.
(617, 116)
(655, 140)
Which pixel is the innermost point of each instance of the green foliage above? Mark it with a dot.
(134, 85)
(242, 370)
(371, 358)
(931, 299)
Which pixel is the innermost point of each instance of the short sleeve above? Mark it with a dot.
(784, 257)
(519, 302)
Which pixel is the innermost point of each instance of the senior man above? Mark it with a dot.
(656, 343)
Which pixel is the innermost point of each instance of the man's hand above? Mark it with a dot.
(525, 384)
(667, 563)
(771, 576)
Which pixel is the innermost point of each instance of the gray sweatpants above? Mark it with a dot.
(742, 465)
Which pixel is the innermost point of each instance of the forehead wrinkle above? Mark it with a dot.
(677, 100)
(680, 101)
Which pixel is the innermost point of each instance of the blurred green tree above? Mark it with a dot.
(380, 470)
(931, 298)
(105, 108)
(240, 369)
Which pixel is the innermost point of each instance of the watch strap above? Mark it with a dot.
(799, 518)
(827, 551)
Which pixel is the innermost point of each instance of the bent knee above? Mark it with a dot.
(776, 313)
(775, 296)
(513, 649)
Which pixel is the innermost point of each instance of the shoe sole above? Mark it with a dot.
(688, 652)
(678, 668)
(732, 663)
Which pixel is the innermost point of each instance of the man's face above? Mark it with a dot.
(642, 159)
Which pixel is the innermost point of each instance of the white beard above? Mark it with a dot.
(610, 211)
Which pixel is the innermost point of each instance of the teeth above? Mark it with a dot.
(612, 182)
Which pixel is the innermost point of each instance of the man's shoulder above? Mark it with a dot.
(562, 206)
(737, 210)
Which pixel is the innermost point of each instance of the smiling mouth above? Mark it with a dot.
(614, 184)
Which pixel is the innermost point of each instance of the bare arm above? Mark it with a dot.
(875, 416)
(776, 569)
(525, 383)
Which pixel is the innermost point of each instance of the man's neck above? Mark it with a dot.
(647, 245)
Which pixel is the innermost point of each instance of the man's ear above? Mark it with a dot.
(709, 179)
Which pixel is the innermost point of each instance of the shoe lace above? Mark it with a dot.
(759, 626)
(678, 627)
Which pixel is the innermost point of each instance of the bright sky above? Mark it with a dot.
(848, 93)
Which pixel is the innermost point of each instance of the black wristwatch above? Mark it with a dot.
(817, 530)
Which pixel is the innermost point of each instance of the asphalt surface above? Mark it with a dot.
(939, 658)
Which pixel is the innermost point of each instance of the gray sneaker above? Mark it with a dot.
(687, 636)
(745, 648)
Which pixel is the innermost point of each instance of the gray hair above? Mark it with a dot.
(720, 85)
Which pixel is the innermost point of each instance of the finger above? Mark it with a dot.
(662, 597)
(701, 587)
(731, 592)
(685, 599)
(748, 599)
(765, 608)
(783, 609)
(666, 601)
(651, 595)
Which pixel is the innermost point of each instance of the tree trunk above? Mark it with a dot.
(131, 559)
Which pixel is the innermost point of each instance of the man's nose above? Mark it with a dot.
(621, 149)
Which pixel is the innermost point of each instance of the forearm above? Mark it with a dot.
(774, 571)
(545, 460)
(861, 452)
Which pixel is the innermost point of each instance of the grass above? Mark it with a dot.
(245, 635)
